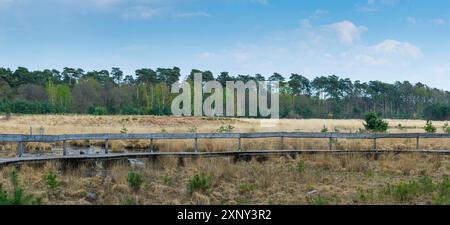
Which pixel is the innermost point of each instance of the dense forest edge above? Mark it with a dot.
(147, 92)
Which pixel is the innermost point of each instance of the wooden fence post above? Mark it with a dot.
(239, 144)
(417, 142)
(196, 143)
(20, 150)
(64, 148)
(282, 142)
(151, 148)
(106, 146)
(374, 144)
(331, 143)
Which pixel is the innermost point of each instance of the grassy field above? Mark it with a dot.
(306, 179)
(62, 124)
(57, 124)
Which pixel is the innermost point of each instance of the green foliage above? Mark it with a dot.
(148, 92)
(51, 180)
(324, 129)
(168, 180)
(405, 191)
(301, 166)
(27, 107)
(193, 129)
(99, 110)
(200, 182)
(128, 201)
(374, 123)
(439, 192)
(446, 128)
(244, 188)
(17, 195)
(225, 129)
(124, 130)
(437, 111)
(134, 180)
(429, 127)
(317, 200)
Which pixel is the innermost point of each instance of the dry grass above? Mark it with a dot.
(63, 124)
(275, 180)
(76, 124)
(310, 179)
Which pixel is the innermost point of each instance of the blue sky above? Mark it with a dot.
(364, 40)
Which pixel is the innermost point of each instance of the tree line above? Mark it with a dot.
(147, 92)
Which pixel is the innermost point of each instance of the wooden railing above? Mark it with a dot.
(22, 139)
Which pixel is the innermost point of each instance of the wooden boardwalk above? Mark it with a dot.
(117, 156)
(22, 139)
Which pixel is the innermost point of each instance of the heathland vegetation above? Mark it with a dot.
(303, 179)
(306, 179)
(147, 92)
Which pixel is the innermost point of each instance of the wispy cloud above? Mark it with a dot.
(142, 12)
(371, 6)
(434, 21)
(309, 47)
(348, 31)
(438, 21)
(192, 14)
(406, 49)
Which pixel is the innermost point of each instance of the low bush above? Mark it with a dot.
(134, 180)
(200, 182)
(374, 123)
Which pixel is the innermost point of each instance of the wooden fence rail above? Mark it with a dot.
(21, 139)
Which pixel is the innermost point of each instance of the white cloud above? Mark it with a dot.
(314, 50)
(396, 47)
(371, 6)
(142, 12)
(438, 21)
(192, 14)
(348, 31)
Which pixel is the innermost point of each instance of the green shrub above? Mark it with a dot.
(124, 130)
(317, 200)
(247, 187)
(97, 111)
(51, 180)
(429, 127)
(193, 129)
(446, 128)
(405, 191)
(199, 182)
(443, 192)
(17, 196)
(135, 180)
(374, 123)
(301, 166)
(225, 129)
(324, 129)
(128, 201)
(168, 180)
